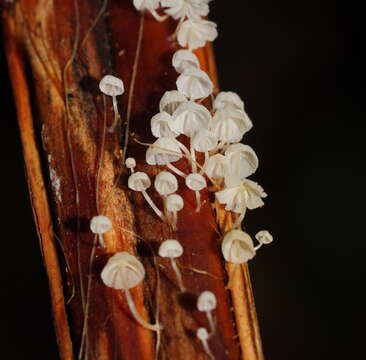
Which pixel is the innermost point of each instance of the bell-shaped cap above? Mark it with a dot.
(264, 237)
(139, 181)
(149, 5)
(171, 100)
(160, 125)
(179, 9)
(174, 202)
(100, 224)
(195, 182)
(230, 125)
(237, 247)
(206, 301)
(226, 99)
(130, 163)
(170, 249)
(242, 160)
(193, 33)
(123, 271)
(163, 151)
(183, 59)
(165, 183)
(189, 118)
(111, 85)
(216, 166)
(204, 140)
(194, 83)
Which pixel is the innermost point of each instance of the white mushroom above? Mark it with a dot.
(204, 141)
(130, 164)
(161, 125)
(182, 59)
(216, 166)
(193, 33)
(112, 86)
(194, 83)
(196, 182)
(237, 247)
(165, 183)
(242, 160)
(226, 99)
(203, 336)
(171, 100)
(264, 238)
(151, 6)
(179, 9)
(172, 249)
(207, 302)
(99, 225)
(174, 203)
(140, 181)
(124, 271)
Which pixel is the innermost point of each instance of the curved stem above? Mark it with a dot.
(101, 240)
(152, 204)
(207, 349)
(178, 274)
(258, 246)
(175, 170)
(157, 16)
(116, 114)
(211, 322)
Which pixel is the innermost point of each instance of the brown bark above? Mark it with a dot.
(57, 52)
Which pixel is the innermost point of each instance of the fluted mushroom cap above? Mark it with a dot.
(237, 247)
(111, 85)
(170, 249)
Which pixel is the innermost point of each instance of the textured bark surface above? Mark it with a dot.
(58, 51)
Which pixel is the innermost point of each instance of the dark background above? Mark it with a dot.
(280, 56)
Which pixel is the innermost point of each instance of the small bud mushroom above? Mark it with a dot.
(207, 302)
(172, 249)
(194, 83)
(226, 99)
(203, 336)
(140, 181)
(165, 184)
(124, 271)
(161, 125)
(179, 9)
(130, 164)
(196, 182)
(174, 203)
(171, 100)
(151, 6)
(99, 225)
(194, 33)
(182, 59)
(112, 86)
(242, 160)
(264, 238)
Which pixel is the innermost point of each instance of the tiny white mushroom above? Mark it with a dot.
(161, 125)
(264, 238)
(112, 86)
(171, 100)
(174, 203)
(203, 336)
(196, 182)
(140, 181)
(194, 83)
(130, 164)
(204, 141)
(172, 249)
(165, 183)
(99, 225)
(207, 302)
(242, 160)
(151, 6)
(216, 166)
(237, 247)
(124, 271)
(226, 99)
(182, 59)
(179, 9)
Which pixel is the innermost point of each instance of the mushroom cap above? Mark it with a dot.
(100, 224)
(170, 249)
(206, 301)
(190, 117)
(122, 271)
(264, 237)
(178, 9)
(164, 150)
(166, 183)
(111, 85)
(216, 166)
(139, 181)
(161, 125)
(202, 334)
(182, 59)
(174, 202)
(194, 83)
(130, 163)
(146, 4)
(228, 99)
(171, 100)
(204, 140)
(242, 160)
(196, 182)
(237, 247)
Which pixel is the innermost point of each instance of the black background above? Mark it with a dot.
(282, 57)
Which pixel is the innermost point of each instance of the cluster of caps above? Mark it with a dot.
(192, 31)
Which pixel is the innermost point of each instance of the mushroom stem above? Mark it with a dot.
(178, 274)
(101, 240)
(157, 16)
(137, 316)
(204, 164)
(193, 160)
(152, 204)
(175, 170)
(211, 322)
(207, 348)
(198, 200)
(174, 220)
(174, 36)
(258, 246)
(116, 114)
(239, 219)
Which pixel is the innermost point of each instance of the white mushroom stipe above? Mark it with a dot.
(99, 225)
(124, 271)
(112, 86)
(174, 203)
(172, 249)
(207, 302)
(264, 238)
(130, 164)
(140, 181)
(196, 182)
(182, 59)
(203, 336)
